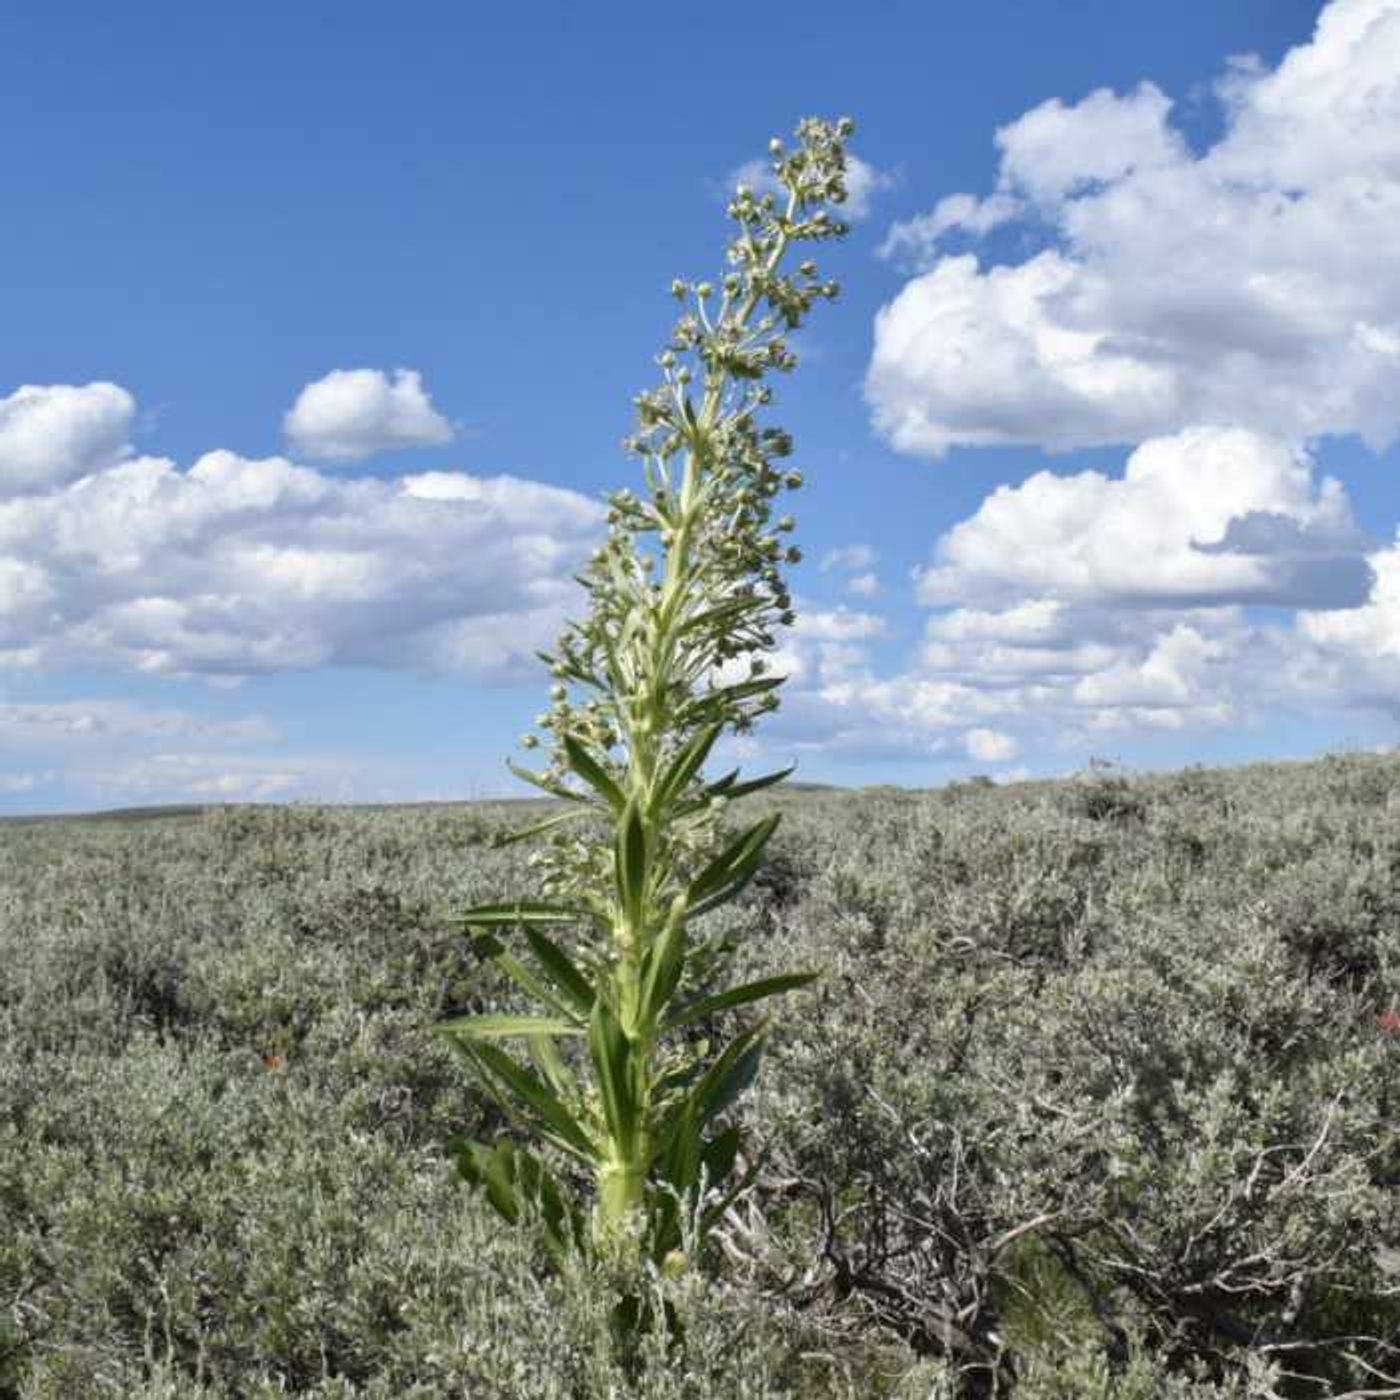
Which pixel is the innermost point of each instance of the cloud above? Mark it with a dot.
(840, 624)
(237, 566)
(848, 557)
(13, 784)
(354, 413)
(1074, 607)
(211, 777)
(865, 585)
(1282, 308)
(35, 723)
(1355, 653)
(1204, 518)
(863, 183)
(51, 435)
(990, 746)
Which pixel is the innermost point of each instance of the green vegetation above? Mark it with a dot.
(1098, 1098)
(683, 602)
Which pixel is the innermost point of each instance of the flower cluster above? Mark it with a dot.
(689, 589)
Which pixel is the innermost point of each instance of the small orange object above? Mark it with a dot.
(1389, 1021)
(274, 1061)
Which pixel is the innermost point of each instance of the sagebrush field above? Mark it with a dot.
(1099, 1095)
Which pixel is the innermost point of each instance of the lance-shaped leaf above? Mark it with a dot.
(730, 1074)
(524, 834)
(513, 1179)
(686, 764)
(708, 1006)
(561, 969)
(719, 1155)
(717, 1209)
(491, 948)
(716, 1089)
(544, 1051)
(758, 784)
(733, 868)
(519, 911)
(729, 787)
(502, 1027)
(593, 773)
(725, 612)
(732, 694)
(523, 1095)
(630, 856)
(664, 963)
(554, 789)
(609, 1050)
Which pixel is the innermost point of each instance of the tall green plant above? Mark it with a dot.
(610, 1074)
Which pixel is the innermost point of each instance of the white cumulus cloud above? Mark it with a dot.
(236, 566)
(990, 745)
(1256, 283)
(53, 434)
(354, 413)
(1204, 518)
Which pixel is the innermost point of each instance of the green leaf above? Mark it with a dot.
(545, 784)
(723, 613)
(510, 838)
(715, 1090)
(501, 1074)
(513, 1177)
(499, 1027)
(716, 1211)
(708, 1006)
(593, 773)
(743, 690)
(521, 911)
(561, 969)
(664, 963)
(730, 1074)
(611, 1056)
(730, 787)
(733, 868)
(719, 1155)
(544, 1051)
(491, 1170)
(631, 861)
(680, 1166)
(758, 784)
(492, 949)
(684, 767)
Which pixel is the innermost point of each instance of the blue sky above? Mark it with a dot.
(322, 325)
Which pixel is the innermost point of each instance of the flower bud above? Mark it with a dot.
(794, 555)
(792, 480)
